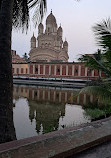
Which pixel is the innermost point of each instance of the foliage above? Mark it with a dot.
(97, 110)
(94, 113)
(102, 32)
(21, 10)
(101, 60)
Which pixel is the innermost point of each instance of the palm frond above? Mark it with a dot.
(21, 10)
(89, 61)
(39, 12)
(20, 14)
(102, 32)
(107, 56)
(97, 62)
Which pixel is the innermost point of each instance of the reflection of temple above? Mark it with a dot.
(46, 112)
(46, 115)
(51, 95)
(47, 105)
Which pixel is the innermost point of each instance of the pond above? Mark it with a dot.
(39, 110)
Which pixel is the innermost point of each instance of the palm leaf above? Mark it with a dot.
(21, 10)
(93, 63)
(20, 14)
(102, 32)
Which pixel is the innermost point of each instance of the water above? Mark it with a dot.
(39, 110)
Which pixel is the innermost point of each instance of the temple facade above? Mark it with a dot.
(49, 45)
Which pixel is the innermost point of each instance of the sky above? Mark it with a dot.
(76, 19)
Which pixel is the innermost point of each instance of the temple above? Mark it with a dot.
(48, 56)
(49, 45)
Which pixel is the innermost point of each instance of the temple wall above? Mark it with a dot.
(55, 70)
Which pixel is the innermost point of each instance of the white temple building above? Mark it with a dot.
(49, 46)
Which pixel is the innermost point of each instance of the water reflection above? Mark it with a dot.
(39, 110)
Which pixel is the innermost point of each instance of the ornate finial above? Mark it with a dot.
(65, 38)
(33, 34)
(51, 11)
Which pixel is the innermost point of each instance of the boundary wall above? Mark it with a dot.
(59, 144)
(55, 70)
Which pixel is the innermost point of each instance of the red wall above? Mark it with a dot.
(36, 69)
(76, 70)
(82, 71)
(41, 69)
(31, 69)
(34, 66)
(64, 70)
(70, 70)
(52, 69)
(47, 70)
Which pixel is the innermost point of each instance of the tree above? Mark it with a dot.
(101, 61)
(16, 13)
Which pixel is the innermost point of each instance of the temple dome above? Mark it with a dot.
(40, 25)
(60, 29)
(33, 38)
(51, 19)
(65, 43)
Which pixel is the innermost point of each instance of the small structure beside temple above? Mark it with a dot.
(16, 58)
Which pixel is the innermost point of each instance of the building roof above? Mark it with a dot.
(50, 19)
(40, 25)
(33, 38)
(60, 29)
(65, 43)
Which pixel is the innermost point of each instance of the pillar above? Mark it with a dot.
(38, 69)
(86, 69)
(49, 69)
(55, 67)
(44, 69)
(79, 70)
(66, 70)
(73, 70)
(34, 69)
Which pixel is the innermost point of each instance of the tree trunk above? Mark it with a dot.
(7, 131)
